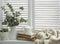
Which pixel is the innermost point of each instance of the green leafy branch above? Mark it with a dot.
(12, 20)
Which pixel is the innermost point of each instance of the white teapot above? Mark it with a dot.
(28, 30)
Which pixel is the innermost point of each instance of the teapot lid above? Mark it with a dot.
(27, 26)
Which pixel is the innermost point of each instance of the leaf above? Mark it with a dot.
(17, 14)
(5, 12)
(10, 6)
(22, 20)
(5, 22)
(3, 8)
(21, 8)
(4, 30)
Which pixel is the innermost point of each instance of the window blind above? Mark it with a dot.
(0, 15)
(16, 4)
(46, 13)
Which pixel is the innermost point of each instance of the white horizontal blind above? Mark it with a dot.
(0, 15)
(46, 14)
(16, 4)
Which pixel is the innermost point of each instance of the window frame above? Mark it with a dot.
(1, 16)
(31, 13)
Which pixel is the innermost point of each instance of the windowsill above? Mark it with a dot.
(16, 42)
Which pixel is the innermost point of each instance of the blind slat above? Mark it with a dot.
(46, 14)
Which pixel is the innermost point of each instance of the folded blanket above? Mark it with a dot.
(47, 35)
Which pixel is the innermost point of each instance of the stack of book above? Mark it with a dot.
(22, 36)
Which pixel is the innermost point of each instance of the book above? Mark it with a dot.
(22, 36)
